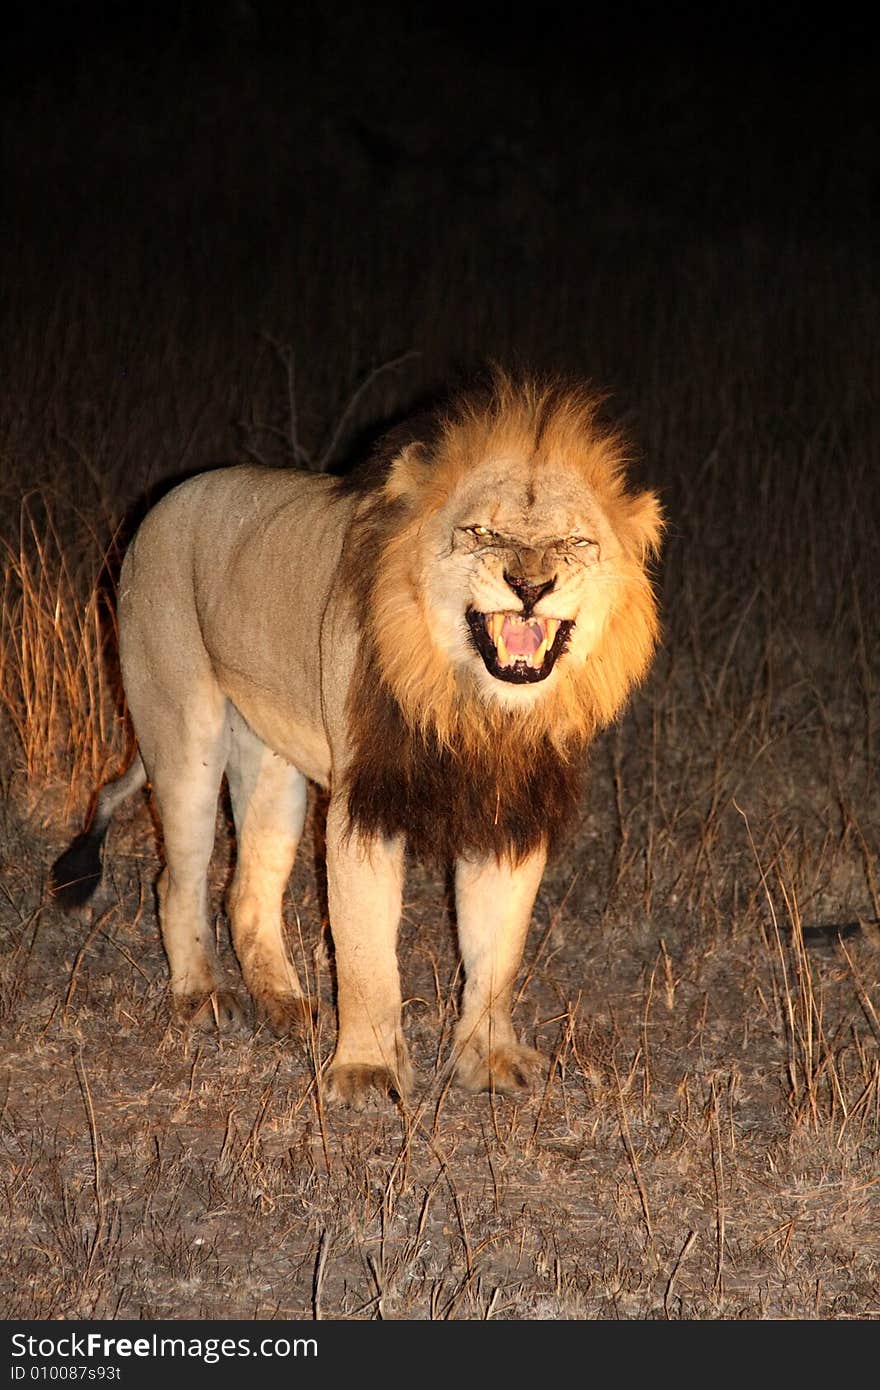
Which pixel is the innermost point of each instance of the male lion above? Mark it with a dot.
(437, 639)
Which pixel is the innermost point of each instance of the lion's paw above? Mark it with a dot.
(221, 1010)
(355, 1084)
(286, 1013)
(507, 1070)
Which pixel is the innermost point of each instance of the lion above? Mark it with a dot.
(435, 638)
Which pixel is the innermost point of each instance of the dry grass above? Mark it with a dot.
(58, 693)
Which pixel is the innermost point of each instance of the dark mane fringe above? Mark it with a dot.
(368, 476)
(504, 797)
(374, 523)
(487, 394)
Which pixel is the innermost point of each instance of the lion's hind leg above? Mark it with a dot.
(186, 771)
(269, 806)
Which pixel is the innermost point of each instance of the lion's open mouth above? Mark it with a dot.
(518, 649)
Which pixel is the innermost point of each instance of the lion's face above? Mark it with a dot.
(517, 571)
(510, 585)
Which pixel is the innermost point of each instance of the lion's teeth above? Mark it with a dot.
(522, 633)
(495, 624)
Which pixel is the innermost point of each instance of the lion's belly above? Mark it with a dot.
(281, 728)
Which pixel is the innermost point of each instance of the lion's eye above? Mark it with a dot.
(579, 540)
(482, 533)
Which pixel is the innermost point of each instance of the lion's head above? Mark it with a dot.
(500, 568)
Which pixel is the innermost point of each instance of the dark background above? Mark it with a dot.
(186, 183)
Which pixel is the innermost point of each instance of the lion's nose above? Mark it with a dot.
(527, 592)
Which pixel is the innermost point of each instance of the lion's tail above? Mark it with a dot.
(77, 872)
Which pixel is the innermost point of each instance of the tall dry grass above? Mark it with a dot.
(58, 691)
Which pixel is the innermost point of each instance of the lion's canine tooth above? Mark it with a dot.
(501, 647)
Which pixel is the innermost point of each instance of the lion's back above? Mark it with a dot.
(226, 582)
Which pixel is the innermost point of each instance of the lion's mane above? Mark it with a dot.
(432, 759)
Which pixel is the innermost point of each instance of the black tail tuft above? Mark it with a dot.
(77, 872)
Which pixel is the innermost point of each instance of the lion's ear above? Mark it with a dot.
(406, 475)
(642, 524)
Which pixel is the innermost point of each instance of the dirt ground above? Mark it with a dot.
(705, 1142)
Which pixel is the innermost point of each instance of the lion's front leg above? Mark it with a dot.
(364, 889)
(494, 906)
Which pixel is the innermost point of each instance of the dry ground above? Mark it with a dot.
(706, 1142)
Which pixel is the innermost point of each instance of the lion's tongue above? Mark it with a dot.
(522, 639)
